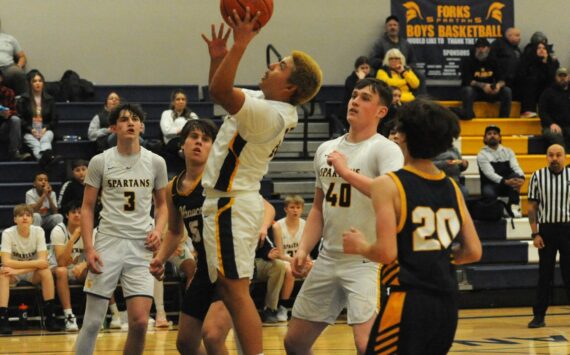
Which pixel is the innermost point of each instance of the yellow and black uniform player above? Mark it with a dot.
(423, 228)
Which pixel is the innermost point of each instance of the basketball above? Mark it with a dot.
(265, 7)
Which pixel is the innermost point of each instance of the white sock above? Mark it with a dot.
(115, 310)
(67, 312)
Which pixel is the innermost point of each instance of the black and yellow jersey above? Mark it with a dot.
(431, 216)
(190, 208)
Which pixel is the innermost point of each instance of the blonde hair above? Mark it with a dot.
(293, 199)
(23, 208)
(307, 76)
(394, 52)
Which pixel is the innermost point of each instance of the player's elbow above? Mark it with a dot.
(386, 256)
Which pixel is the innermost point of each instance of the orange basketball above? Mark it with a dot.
(265, 7)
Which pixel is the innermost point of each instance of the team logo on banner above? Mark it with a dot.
(443, 32)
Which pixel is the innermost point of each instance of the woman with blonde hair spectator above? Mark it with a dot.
(394, 72)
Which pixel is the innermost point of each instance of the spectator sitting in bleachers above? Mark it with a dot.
(482, 79)
(390, 39)
(12, 63)
(362, 69)
(287, 234)
(453, 164)
(171, 123)
(39, 118)
(395, 72)
(554, 109)
(72, 190)
(67, 260)
(499, 171)
(25, 258)
(387, 123)
(268, 267)
(10, 124)
(42, 199)
(508, 53)
(99, 128)
(536, 73)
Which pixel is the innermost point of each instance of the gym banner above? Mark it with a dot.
(443, 32)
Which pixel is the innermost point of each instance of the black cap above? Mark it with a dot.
(392, 17)
(492, 128)
(482, 42)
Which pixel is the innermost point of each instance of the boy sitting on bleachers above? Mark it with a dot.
(42, 199)
(25, 258)
(287, 233)
(67, 260)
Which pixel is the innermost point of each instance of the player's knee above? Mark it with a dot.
(183, 345)
(138, 325)
(61, 273)
(213, 337)
(291, 344)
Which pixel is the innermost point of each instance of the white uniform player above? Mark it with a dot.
(127, 184)
(23, 249)
(60, 236)
(290, 242)
(336, 279)
(239, 158)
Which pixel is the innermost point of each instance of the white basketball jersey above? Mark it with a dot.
(343, 205)
(291, 241)
(60, 236)
(246, 143)
(127, 184)
(20, 248)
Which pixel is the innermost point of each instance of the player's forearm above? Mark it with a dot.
(214, 65)
(312, 232)
(25, 264)
(360, 182)
(169, 245)
(87, 227)
(222, 82)
(160, 217)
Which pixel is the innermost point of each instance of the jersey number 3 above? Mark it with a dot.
(129, 201)
(436, 230)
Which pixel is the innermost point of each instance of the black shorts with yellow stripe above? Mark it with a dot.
(414, 322)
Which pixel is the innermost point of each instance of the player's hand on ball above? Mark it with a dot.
(244, 30)
(353, 241)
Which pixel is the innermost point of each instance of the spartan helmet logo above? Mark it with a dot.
(495, 11)
(413, 11)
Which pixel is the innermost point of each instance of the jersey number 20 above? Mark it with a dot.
(437, 229)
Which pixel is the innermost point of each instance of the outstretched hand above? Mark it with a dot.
(217, 46)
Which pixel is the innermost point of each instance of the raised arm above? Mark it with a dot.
(224, 63)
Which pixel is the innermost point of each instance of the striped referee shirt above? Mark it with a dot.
(552, 192)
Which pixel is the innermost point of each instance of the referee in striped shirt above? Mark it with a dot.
(549, 218)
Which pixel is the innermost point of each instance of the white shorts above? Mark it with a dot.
(231, 233)
(335, 283)
(186, 254)
(123, 259)
(14, 280)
